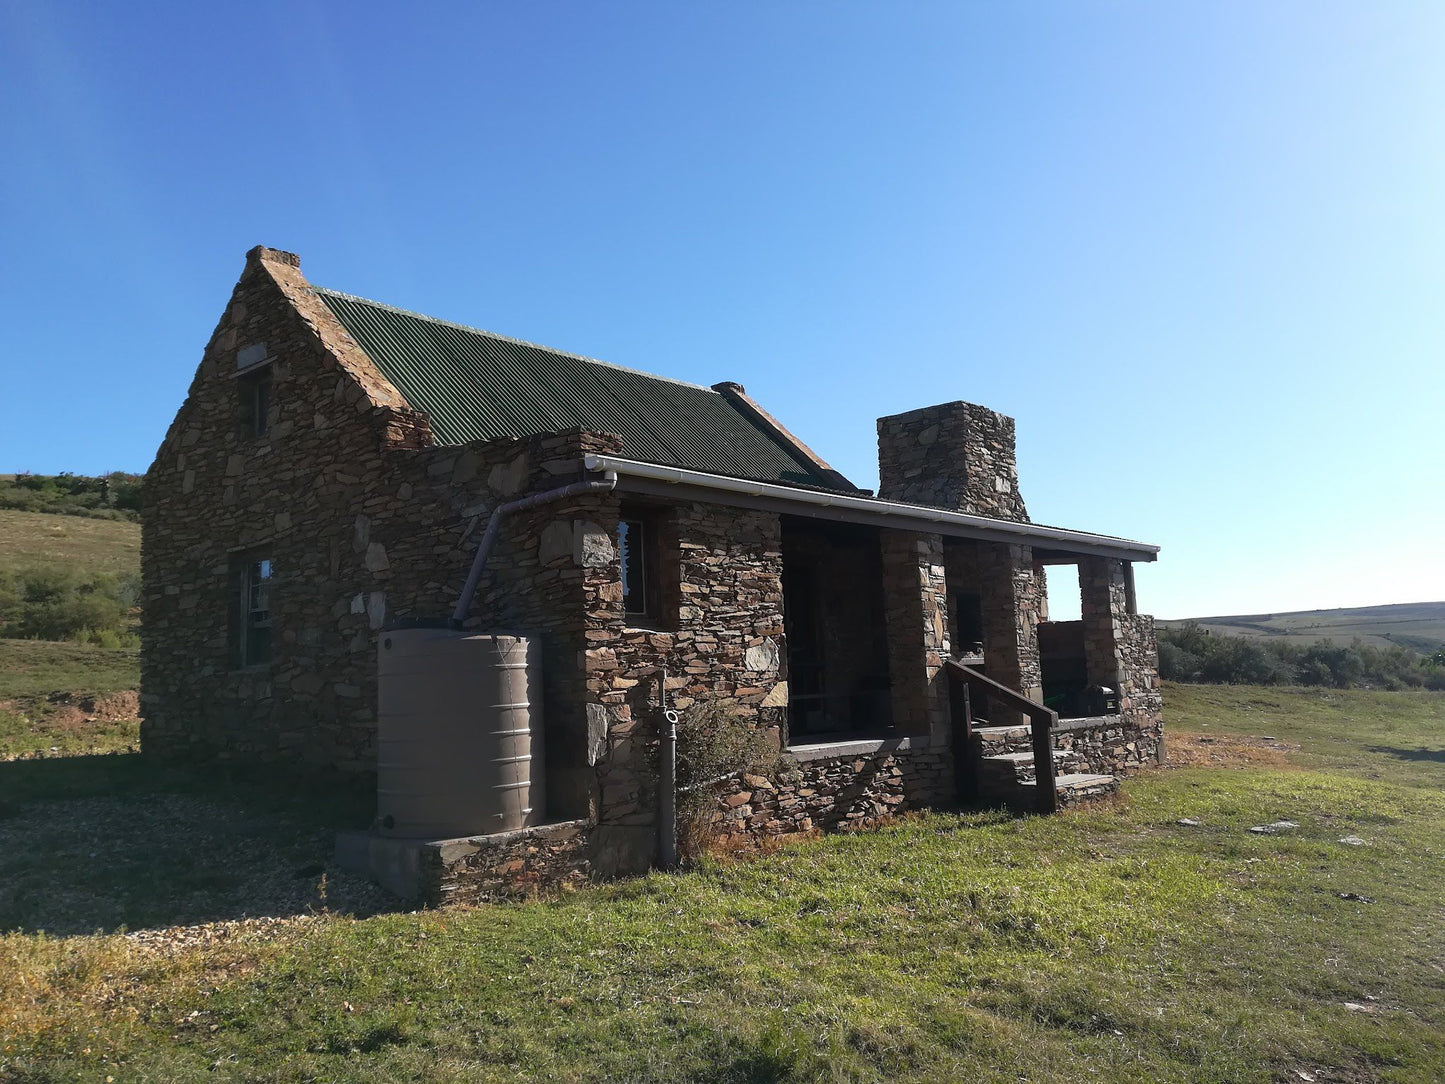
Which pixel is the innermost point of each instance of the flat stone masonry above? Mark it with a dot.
(954, 455)
(836, 793)
(1110, 745)
(473, 869)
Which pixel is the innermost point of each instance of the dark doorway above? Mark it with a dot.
(837, 645)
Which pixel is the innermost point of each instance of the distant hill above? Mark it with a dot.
(1419, 626)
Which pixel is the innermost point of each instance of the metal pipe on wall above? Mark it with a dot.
(489, 537)
(667, 779)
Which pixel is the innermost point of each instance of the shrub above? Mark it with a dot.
(713, 743)
(55, 603)
(107, 496)
(1189, 653)
(1177, 663)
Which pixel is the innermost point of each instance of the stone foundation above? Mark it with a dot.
(473, 869)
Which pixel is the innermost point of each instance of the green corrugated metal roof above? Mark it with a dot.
(474, 384)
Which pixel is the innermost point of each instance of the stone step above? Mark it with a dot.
(991, 739)
(995, 733)
(1026, 757)
(1019, 765)
(1079, 786)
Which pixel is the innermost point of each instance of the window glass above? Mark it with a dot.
(253, 401)
(631, 548)
(261, 405)
(256, 616)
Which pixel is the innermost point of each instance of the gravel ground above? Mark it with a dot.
(155, 862)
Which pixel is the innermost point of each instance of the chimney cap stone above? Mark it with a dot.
(275, 255)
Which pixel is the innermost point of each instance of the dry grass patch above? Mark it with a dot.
(1187, 750)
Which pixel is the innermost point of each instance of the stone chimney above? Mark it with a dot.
(958, 456)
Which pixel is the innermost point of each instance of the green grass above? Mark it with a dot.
(31, 539)
(58, 699)
(1108, 944)
(1397, 738)
(41, 667)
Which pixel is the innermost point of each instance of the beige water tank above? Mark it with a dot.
(459, 734)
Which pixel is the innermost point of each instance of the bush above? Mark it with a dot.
(1177, 663)
(54, 603)
(1190, 654)
(107, 496)
(712, 744)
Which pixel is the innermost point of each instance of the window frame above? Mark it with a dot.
(255, 388)
(655, 613)
(255, 639)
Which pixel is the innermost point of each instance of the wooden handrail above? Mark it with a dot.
(1041, 729)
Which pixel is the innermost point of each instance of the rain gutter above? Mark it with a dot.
(842, 506)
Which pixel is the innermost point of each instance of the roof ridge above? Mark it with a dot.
(513, 339)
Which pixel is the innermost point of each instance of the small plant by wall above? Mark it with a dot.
(713, 744)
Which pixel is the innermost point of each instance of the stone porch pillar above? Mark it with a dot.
(1010, 592)
(1104, 602)
(915, 609)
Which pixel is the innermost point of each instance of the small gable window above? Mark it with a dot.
(254, 389)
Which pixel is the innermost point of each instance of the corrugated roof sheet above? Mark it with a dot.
(475, 384)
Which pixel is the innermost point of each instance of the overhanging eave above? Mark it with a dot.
(676, 483)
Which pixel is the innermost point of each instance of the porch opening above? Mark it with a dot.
(1071, 686)
(833, 616)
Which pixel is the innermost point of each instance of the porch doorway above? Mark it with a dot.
(838, 685)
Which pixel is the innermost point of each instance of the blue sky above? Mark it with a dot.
(1198, 250)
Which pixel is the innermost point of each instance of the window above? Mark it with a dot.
(254, 389)
(647, 582)
(635, 547)
(254, 640)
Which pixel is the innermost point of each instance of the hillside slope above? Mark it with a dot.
(1419, 626)
(89, 546)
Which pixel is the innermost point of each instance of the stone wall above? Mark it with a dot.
(1103, 606)
(721, 639)
(366, 524)
(1111, 745)
(836, 793)
(217, 495)
(915, 612)
(1141, 699)
(958, 456)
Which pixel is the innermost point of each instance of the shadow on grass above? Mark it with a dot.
(1430, 756)
(92, 843)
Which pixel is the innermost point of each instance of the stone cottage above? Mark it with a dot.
(336, 461)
